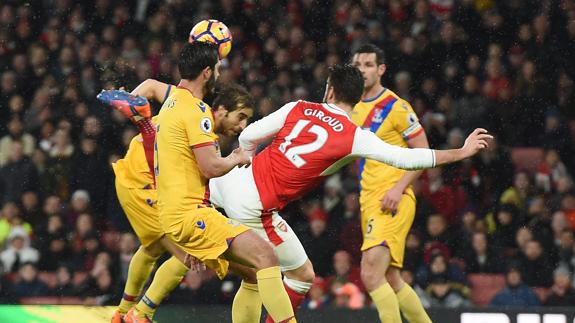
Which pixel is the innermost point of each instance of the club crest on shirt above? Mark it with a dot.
(377, 116)
(206, 125)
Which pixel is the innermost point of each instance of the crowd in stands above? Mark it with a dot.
(504, 65)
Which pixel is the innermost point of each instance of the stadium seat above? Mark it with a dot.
(484, 287)
(527, 158)
(39, 300)
(48, 278)
(542, 293)
(79, 277)
(111, 240)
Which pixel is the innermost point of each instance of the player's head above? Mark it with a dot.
(199, 61)
(233, 107)
(344, 85)
(370, 60)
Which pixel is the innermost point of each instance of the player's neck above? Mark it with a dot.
(372, 92)
(343, 106)
(194, 86)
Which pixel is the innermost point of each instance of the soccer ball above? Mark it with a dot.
(215, 32)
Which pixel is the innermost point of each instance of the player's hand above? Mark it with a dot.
(194, 263)
(476, 141)
(242, 157)
(391, 199)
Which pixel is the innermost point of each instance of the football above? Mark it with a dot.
(215, 32)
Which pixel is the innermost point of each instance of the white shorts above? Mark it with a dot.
(237, 194)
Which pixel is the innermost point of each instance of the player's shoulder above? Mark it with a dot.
(399, 103)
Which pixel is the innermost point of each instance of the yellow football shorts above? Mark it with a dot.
(384, 229)
(204, 233)
(142, 212)
(141, 209)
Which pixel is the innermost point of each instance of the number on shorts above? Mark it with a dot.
(293, 154)
(369, 226)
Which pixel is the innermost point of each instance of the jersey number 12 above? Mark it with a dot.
(294, 153)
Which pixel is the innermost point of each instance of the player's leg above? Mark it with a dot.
(409, 303)
(237, 193)
(167, 278)
(374, 264)
(295, 265)
(249, 249)
(378, 228)
(141, 215)
(247, 305)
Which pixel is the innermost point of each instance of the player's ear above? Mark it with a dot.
(381, 68)
(207, 72)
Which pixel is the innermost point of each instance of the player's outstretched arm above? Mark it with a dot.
(368, 145)
(264, 129)
(212, 165)
(152, 89)
(475, 142)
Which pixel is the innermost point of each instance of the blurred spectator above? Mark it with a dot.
(18, 251)
(441, 196)
(18, 175)
(15, 134)
(442, 293)
(318, 243)
(562, 293)
(348, 295)
(344, 272)
(28, 284)
(506, 222)
(11, 219)
(472, 110)
(516, 293)
(482, 258)
(536, 266)
(519, 192)
(64, 285)
(550, 171)
(317, 298)
(439, 265)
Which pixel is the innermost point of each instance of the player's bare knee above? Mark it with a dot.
(265, 256)
(393, 276)
(304, 273)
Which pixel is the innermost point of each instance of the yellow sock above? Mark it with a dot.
(140, 268)
(168, 277)
(274, 295)
(386, 302)
(410, 305)
(247, 306)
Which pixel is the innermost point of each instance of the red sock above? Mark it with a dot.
(148, 131)
(295, 298)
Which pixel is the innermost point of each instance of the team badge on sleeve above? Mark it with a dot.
(206, 125)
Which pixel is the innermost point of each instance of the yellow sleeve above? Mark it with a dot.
(405, 121)
(199, 127)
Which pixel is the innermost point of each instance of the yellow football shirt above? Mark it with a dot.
(185, 122)
(392, 119)
(132, 171)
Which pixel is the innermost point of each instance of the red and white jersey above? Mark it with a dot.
(311, 141)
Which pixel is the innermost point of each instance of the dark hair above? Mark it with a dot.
(195, 57)
(233, 97)
(347, 83)
(372, 49)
